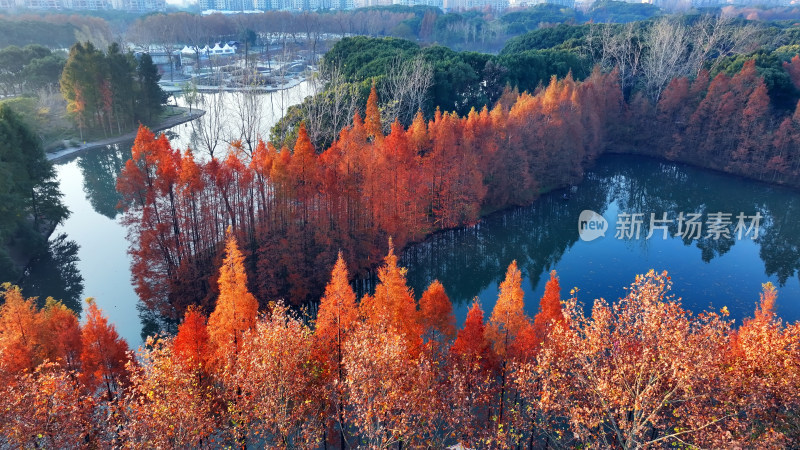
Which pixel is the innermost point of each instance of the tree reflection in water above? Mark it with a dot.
(471, 261)
(55, 274)
(100, 170)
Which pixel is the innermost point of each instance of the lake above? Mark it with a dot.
(706, 272)
(471, 261)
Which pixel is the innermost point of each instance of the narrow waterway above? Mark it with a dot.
(91, 260)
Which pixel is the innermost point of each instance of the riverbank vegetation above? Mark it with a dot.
(30, 200)
(90, 95)
(391, 370)
(110, 92)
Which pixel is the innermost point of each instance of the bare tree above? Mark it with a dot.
(280, 72)
(621, 48)
(311, 26)
(207, 130)
(330, 107)
(247, 113)
(314, 108)
(665, 56)
(716, 37)
(667, 49)
(405, 89)
(158, 29)
(195, 34)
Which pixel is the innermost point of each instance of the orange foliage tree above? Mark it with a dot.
(276, 397)
(21, 329)
(631, 374)
(191, 345)
(104, 354)
(236, 307)
(393, 306)
(45, 408)
(472, 369)
(436, 313)
(507, 321)
(336, 319)
(165, 406)
(761, 387)
(533, 335)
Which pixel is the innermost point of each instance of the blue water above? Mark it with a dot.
(706, 273)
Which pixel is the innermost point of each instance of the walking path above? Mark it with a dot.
(169, 122)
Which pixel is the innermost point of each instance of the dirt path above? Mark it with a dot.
(170, 122)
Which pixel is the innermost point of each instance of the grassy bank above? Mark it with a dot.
(46, 115)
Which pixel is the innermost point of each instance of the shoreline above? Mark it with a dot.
(185, 116)
(175, 88)
(23, 261)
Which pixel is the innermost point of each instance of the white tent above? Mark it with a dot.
(217, 50)
(228, 50)
(187, 51)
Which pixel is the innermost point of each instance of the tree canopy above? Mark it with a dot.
(30, 200)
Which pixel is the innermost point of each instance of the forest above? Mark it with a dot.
(110, 91)
(293, 208)
(30, 199)
(391, 370)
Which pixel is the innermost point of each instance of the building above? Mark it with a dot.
(87, 4)
(139, 5)
(43, 4)
(463, 5)
(529, 3)
(124, 5)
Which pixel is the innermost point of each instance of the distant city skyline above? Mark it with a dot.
(124, 5)
(306, 5)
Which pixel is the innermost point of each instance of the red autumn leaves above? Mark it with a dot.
(386, 370)
(293, 210)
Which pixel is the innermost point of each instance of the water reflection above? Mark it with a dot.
(55, 274)
(153, 323)
(100, 170)
(707, 272)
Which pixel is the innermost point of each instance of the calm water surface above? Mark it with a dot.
(706, 273)
(471, 261)
(91, 259)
